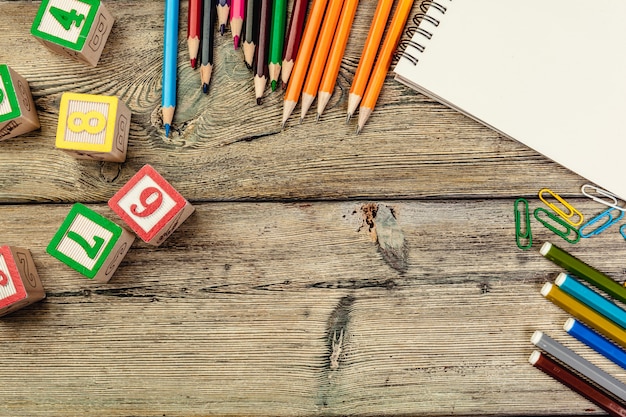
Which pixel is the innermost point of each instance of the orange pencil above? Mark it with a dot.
(329, 79)
(322, 49)
(390, 43)
(301, 64)
(370, 49)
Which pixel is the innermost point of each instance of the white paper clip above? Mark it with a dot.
(602, 196)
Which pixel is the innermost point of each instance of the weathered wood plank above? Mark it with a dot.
(225, 147)
(236, 314)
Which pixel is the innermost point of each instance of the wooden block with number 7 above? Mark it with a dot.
(19, 282)
(150, 206)
(74, 28)
(90, 243)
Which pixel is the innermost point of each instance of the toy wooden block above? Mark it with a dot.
(18, 114)
(75, 28)
(150, 206)
(93, 127)
(90, 243)
(19, 282)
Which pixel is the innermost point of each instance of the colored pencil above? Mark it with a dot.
(595, 341)
(194, 23)
(379, 73)
(292, 39)
(368, 55)
(574, 382)
(579, 364)
(251, 31)
(223, 13)
(208, 39)
(591, 298)
(262, 48)
(277, 40)
(583, 271)
(584, 313)
(301, 64)
(237, 15)
(320, 55)
(170, 62)
(337, 50)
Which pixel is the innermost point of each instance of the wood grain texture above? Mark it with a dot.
(322, 273)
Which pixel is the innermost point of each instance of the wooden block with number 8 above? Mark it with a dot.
(75, 28)
(93, 127)
(18, 114)
(19, 282)
(90, 243)
(150, 206)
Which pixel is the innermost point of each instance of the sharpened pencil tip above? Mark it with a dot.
(222, 29)
(167, 130)
(205, 88)
(317, 117)
(358, 130)
(194, 63)
(348, 117)
(273, 84)
(236, 41)
(301, 120)
(284, 85)
(258, 101)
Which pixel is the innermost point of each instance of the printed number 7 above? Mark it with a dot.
(66, 18)
(1, 96)
(91, 251)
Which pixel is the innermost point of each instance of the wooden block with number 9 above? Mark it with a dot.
(75, 28)
(93, 127)
(18, 114)
(19, 282)
(150, 206)
(90, 243)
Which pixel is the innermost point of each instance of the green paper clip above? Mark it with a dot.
(568, 229)
(522, 233)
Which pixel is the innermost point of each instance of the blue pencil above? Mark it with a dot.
(595, 341)
(591, 298)
(170, 62)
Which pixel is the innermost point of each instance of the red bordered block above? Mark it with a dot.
(19, 282)
(150, 206)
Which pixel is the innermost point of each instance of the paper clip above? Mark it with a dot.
(522, 233)
(568, 229)
(622, 231)
(609, 199)
(568, 216)
(610, 220)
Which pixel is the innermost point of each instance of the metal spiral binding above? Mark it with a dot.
(414, 29)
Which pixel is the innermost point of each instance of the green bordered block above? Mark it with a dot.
(18, 114)
(75, 28)
(90, 243)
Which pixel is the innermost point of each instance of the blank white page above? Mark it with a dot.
(550, 74)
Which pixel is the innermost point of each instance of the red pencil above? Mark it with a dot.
(576, 383)
(194, 23)
(292, 39)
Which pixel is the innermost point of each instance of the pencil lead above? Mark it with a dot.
(258, 101)
(205, 88)
(358, 130)
(284, 85)
(301, 120)
(236, 41)
(348, 118)
(317, 117)
(167, 130)
(222, 29)
(273, 85)
(194, 63)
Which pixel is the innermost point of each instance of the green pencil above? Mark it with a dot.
(277, 39)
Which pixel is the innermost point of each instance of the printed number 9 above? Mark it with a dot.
(149, 207)
(4, 280)
(85, 122)
(66, 19)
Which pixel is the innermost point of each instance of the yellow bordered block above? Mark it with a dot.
(93, 127)
(74, 28)
(18, 114)
(19, 282)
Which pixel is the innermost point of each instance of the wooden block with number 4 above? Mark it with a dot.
(93, 127)
(150, 206)
(19, 282)
(90, 243)
(18, 114)
(74, 28)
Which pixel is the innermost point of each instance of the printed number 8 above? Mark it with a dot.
(66, 18)
(85, 122)
(4, 280)
(149, 207)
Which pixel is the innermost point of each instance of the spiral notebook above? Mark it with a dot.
(549, 74)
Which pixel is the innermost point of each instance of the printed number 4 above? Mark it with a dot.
(66, 18)
(91, 251)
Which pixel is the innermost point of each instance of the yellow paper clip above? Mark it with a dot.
(569, 215)
(523, 235)
(602, 196)
(607, 216)
(566, 230)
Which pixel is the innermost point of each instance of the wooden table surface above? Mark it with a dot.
(322, 273)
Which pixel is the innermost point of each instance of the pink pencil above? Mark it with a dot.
(237, 14)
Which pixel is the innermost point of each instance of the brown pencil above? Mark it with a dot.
(261, 69)
(292, 38)
(576, 383)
